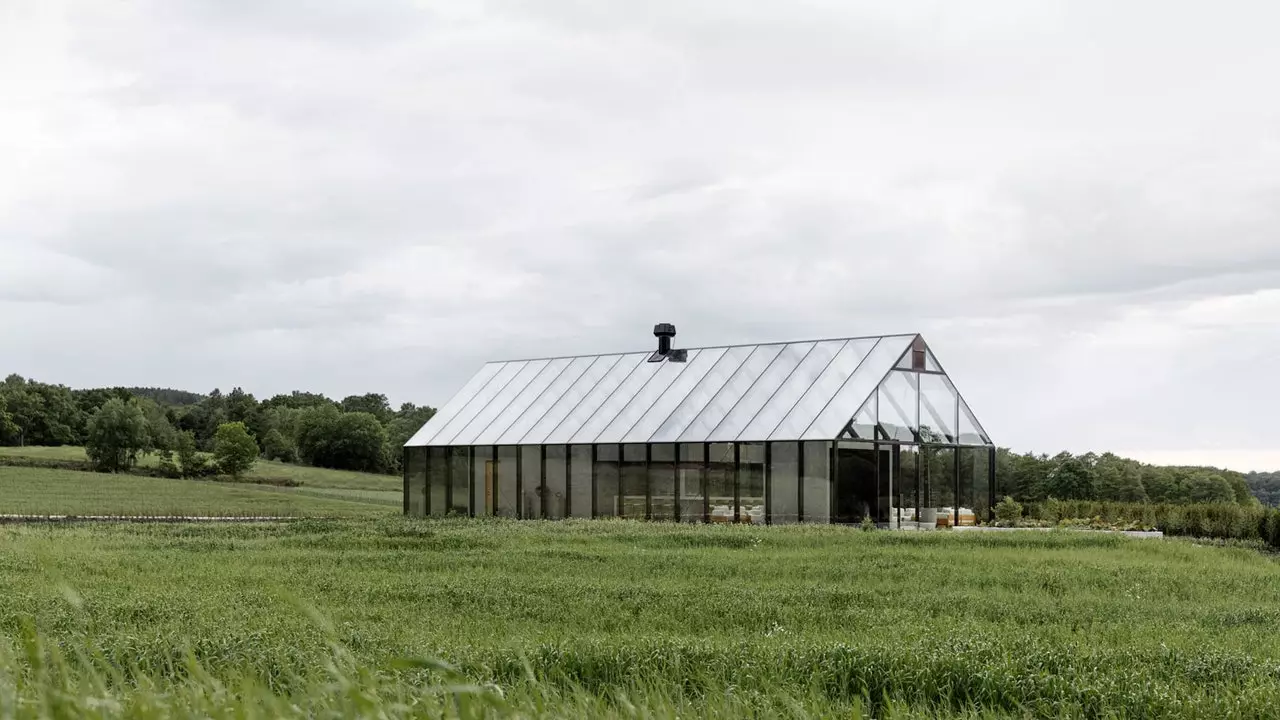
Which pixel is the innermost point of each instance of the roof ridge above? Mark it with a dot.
(702, 347)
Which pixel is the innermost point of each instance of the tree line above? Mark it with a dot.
(359, 432)
(1034, 478)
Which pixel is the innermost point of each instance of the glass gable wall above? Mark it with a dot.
(831, 431)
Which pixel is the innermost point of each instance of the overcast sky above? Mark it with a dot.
(1077, 203)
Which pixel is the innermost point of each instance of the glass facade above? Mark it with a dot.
(831, 431)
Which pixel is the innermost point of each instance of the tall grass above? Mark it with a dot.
(420, 618)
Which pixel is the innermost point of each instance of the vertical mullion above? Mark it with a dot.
(737, 482)
(542, 480)
(991, 483)
(800, 482)
(768, 483)
(648, 477)
(955, 506)
(519, 482)
(833, 472)
(595, 480)
(471, 481)
(706, 492)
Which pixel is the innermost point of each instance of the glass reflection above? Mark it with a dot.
(437, 480)
(816, 482)
(720, 482)
(482, 484)
(608, 481)
(784, 483)
(662, 481)
(751, 483)
(580, 481)
(508, 498)
(554, 487)
(691, 483)
(635, 478)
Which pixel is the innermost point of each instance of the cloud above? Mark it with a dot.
(1077, 204)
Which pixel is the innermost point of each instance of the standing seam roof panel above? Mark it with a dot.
(492, 391)
(531, 414)
(864, 381)
(586, 409)
(663, 407)
(548, 399)
(666, 374)
(807, 407)
(701, 394)
(518, 404)
(616, 403)
(734, 388)
(766, 384)
(571, 397)
(499, 404)
(477, 382)
(786, 395)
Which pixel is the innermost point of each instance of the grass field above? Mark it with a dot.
(614, 618)
(262, 470)
(41, 491)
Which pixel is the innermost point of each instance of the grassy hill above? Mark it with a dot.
(626, 619)
(319, 492)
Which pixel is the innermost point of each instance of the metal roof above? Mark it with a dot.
(807, 390)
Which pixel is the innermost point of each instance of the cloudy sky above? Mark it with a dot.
(1077, 203)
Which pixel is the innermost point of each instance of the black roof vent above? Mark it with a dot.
(665, 332)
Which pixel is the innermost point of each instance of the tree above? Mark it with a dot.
(116, 434)
(275, 446)
(1071, 479)
(344, 441)
(161, 437)
(234, 449)
(1210, 488)
(7, 426)
(190, 462)
(373, 403)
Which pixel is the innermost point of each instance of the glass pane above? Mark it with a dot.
(751, 483)
(642, 402)
(930, 362)
(596, 397)
(904, 363)
(729, 395)
(508, 498)
(971, 433)
(491, 390)
(442, 417)
(551, 379)
(860, 386)
(887, 458)
(702, 393)
(460, 479)
(662, 481)
(541, 377)
(554, 393)
(782, 397)
(816, 483)
(608, 480)
(531, 482)
(491, 411)
(857, 482)
(634, 481)
(906, 487)
(938, 481)
(897, 406)
(805, 409)
(691, 482)
(938, 406)
(784, 483)
(415, 475)
(580, 481)
(864, 423)
(660, 409)
(570, 398)
(594, 427)
(554, 491)
(744, 411)
(482, 485)
(437, 480)
(720, 482)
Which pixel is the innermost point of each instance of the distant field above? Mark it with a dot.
(263, 470)
(68, 492)
(635, 620)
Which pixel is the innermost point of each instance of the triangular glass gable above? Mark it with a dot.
(931, 363)
(971, 432)
(905, 362)
(898, 402)
(864, 423)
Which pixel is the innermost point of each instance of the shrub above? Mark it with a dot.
(116, 434)
(234, 449)
(1008, 512)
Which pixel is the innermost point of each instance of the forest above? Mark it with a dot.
(364, 433)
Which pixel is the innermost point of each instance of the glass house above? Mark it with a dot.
(820, 431)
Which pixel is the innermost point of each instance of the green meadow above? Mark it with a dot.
(490, 618)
